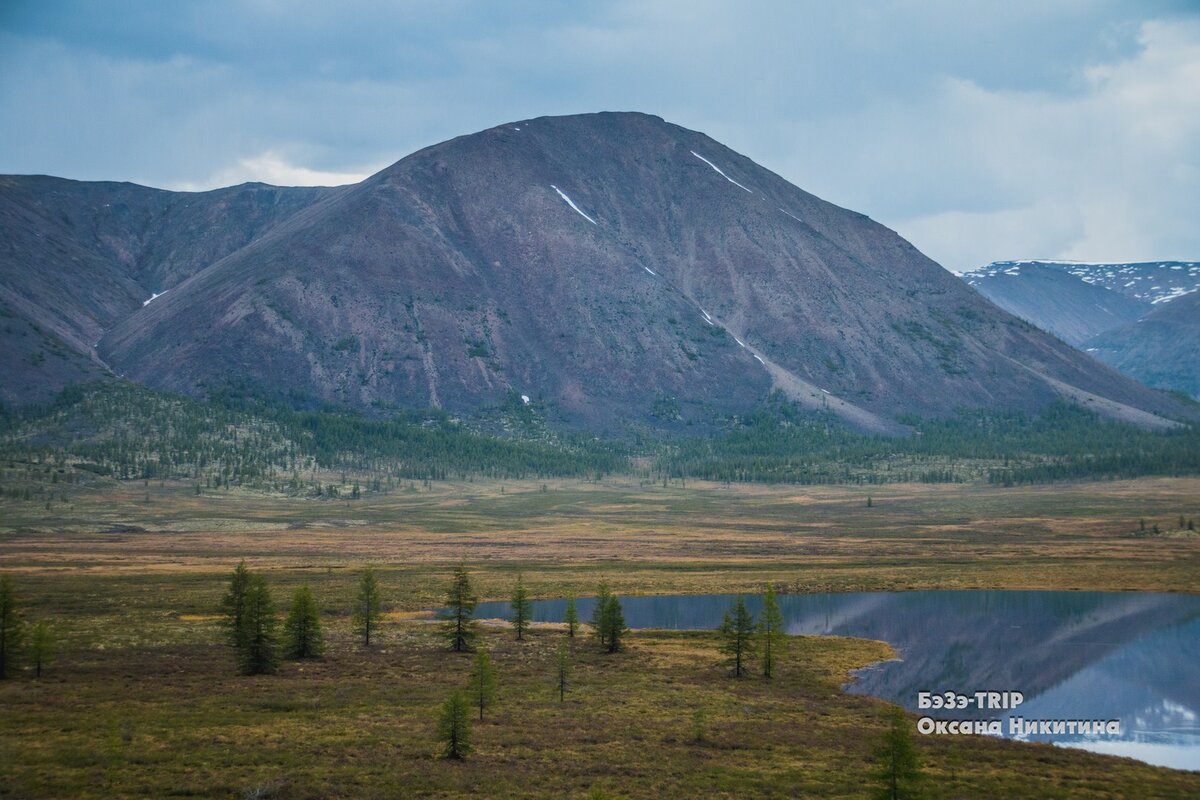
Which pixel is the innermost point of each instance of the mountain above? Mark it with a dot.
(610, 268)
(1116, 312)
(1161, 349)
(1055, 299)
(75, 258)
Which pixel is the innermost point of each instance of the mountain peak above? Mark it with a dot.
(613, 267)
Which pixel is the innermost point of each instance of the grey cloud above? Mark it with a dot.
(896, 109)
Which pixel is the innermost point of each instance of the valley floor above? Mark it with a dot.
(143, 700)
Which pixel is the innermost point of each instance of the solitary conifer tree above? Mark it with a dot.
(522, 609)
(257, 647)
(460, 605)
(303, 626)
(234, 601)
(562, 670)
(10, 627)
(367, 606)
(572, 616)
(454, 727)
(898, 767)
(737, 631)
(41, 647)
(613, 623)
(598, 611)
(771, 630)
(483, 681)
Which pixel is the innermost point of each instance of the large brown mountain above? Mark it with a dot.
(612, 266)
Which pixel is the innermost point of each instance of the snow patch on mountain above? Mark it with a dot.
(571, 203)
(1149, 281)
(719, 172)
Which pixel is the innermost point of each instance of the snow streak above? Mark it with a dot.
(719, 172)
(571, 203)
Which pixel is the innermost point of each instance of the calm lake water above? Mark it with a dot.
(1133, 657)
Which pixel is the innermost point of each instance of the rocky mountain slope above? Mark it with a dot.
(1056, 300)
(1160, 349)
(1117, 312)
(77, 257)
(613, 268)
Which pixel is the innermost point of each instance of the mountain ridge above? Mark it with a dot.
(605, 265)
(1116, 312)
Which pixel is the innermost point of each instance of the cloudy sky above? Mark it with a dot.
(980, 130)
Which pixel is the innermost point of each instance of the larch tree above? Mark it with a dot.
(898, 766)
(367, 607)
(612, 622)
(771, 632)
(483, 681)
(460, 606)
(562, 670)
(737, 635)
(572, 616)
(11, 628)
(41, 647)
(234, 601)
(454, 727)
(522, 609)
(257, 649)
(303, 626)
(598, 611)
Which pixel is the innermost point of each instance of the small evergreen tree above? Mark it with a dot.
(367, 607)
(460, 605)
(737, 633)
(562, 670)
(234, 601)
(613, 623)
(257, 647)
(303, 626)
(572, 616)
(41, 647)
(483, 681)
(454, 727)
(898, 765)
(522, 609)
(771, 632)
(11, 628)
(598, 611)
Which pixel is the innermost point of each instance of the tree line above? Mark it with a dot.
(780, 443)
(133, 433)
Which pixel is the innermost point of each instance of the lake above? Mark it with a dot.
(1132, 657)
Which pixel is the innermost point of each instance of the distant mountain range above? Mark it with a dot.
(1142, 318)
(613, 269)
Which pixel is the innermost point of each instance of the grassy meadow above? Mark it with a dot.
(143, 698)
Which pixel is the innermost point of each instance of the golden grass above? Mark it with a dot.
(156, 721)
(143, 701)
